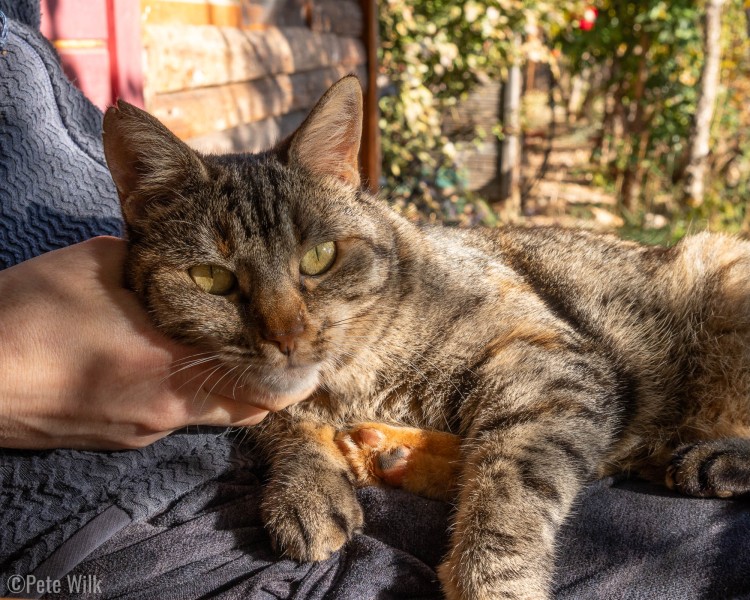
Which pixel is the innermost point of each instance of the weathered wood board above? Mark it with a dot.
(227, 13)
(250, 137)
(344, 17)
(199, 112)
(183, 57)
(238, 75)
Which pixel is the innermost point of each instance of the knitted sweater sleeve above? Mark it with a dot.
(55, 189)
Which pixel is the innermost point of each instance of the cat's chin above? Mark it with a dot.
(283, 388)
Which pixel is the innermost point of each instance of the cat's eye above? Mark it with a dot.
(319, 259)
(213, 279)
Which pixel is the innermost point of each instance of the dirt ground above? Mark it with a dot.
(557, 183)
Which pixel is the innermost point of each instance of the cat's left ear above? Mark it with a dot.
(327, 143)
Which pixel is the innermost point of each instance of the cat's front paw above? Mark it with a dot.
(482, 576)
(458, 582)
(311, 515)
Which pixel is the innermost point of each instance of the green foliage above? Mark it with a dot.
(730, 182)
(433, 52)
(651, 52)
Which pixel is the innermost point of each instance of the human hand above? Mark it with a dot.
(82, 367)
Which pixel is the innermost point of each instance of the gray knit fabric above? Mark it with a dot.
(47, 496)
(55, 189)
(23, 11)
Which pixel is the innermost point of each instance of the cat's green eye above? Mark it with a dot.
(213, 279)
(319, 259)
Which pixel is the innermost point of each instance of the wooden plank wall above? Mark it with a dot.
(237, 75)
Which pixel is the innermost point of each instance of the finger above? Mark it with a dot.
(224, 412)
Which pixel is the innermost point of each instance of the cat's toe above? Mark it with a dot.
(359, 451)
(310, 520)
(374, 454)
(392, 464)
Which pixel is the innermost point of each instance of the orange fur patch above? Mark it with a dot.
(428, 465)
(529, 333)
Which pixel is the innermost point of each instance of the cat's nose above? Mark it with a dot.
(285, 340)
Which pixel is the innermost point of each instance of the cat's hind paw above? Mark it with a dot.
(374, 453)
(715, 468)
(420, 461)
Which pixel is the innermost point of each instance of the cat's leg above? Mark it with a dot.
(715, 468)
(309, 504)
(537, 433)
(420, 461)
(515, 495)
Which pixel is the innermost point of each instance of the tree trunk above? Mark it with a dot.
(576, 95)
(637, 133)
(612, 89)
(510, 159)
(698, 145)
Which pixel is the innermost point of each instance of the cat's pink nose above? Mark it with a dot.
(285, 340)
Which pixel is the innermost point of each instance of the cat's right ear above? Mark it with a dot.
(327, 142)
(146, 160)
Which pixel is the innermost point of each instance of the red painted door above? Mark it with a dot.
(99, 46)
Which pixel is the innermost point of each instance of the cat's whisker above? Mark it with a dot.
(192, 356)
(190, 365)
(195, 361)
(354, 318)
(216, 384)
(200, 374)
(245, 434)
(201, 388)
(238, 381)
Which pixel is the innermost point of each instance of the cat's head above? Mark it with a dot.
(275, 262)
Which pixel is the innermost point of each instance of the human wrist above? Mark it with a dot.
(35, 375)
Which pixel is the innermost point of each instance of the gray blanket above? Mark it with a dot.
(179, 519)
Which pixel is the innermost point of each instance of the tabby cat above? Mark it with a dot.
(556, 356)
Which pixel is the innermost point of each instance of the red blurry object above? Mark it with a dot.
(586, 22)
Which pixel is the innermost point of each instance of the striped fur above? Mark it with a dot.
(557, 356)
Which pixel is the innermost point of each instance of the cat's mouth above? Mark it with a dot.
(272, 382)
